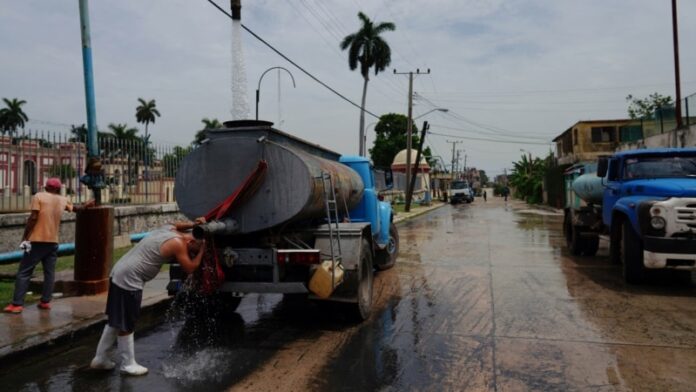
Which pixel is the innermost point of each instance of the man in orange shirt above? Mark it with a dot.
(40, 243)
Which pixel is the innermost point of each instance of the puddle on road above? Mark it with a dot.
(481, 298)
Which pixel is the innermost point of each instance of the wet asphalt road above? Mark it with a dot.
(483, 297)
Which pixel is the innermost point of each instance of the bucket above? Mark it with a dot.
(320, 284)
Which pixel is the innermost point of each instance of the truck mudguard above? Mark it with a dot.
(629, 207)
(386, 217)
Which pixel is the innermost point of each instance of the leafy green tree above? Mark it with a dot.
(367, 48)
(63, 171)
(127, 144)
(391, 137)
(645, 107)
(527, 177)
(79, 134)
(123, 132)
(207, 124)
(146, 113)
(12, 116)
(484, 178)
(172, 160)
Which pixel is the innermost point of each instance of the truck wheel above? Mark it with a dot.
(386, 258)
(615, 244)
(360, 311)
(576, 244)
(225, 302)
(632, 255)
(591, 245)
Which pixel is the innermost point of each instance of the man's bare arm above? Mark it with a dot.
(184, 226)
(178, 249)
(87, 204)
(31, 222)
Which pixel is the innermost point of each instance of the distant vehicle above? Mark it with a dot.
(644, 200)
(460, 191)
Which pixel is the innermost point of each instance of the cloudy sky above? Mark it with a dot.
(509, 71)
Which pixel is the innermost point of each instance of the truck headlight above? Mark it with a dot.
(658, 222)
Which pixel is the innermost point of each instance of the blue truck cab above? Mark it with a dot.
(378, 213)
(649, 209)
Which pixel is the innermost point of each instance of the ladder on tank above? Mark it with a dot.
(331, 206)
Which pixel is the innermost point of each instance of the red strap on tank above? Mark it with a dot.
(242, 193)
(211, 273)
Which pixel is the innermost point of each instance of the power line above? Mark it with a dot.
(335, 49)
(495, 131)
(278, 52)
(540, 138)
(527, 92)
(490, 140)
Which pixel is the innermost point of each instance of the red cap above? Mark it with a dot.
(53, 183)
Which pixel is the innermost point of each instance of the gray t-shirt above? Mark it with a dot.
(143, 262)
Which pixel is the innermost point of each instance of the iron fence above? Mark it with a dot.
(664, 119)
(136, 171)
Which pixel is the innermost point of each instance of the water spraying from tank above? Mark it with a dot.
(240, 103)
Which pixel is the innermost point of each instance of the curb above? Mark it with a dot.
(63, 338)
(402, 217)
(67, 336)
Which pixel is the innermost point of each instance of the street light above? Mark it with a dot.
(258, 88)
(444, 110)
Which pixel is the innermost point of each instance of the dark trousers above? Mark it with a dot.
(46, 253)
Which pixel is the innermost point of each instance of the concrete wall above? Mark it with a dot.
(127, 220)
(676, 138)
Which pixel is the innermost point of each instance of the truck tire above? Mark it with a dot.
(225, 302)
(591, 245)
(385, 259)
(632, 255)
(360, 311)
(615, 244)
(575, 243)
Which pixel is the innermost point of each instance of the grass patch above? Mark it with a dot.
(63, 263)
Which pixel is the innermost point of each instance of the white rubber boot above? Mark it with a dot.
(126, 347)
(107, 340)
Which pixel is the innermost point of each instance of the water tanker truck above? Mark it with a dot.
(306, 208)
(642, 201)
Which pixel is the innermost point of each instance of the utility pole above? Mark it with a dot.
(466, 170)
(94, 238)
(675, 39)
(454, 146)
(412, 184)
(409, 131)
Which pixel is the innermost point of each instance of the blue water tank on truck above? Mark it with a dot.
(312, 205)
(648, 210)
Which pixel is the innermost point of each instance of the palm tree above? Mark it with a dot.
(368, 48)
(127, 138)
(146, 113)
(123, 132)
(12, 116)
(207, 124)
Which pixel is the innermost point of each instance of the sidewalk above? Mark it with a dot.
(417, 210)
(69, 318)
(74, 317)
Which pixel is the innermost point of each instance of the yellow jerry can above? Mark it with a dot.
(320, 283)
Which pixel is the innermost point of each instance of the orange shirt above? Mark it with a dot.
(50, 207)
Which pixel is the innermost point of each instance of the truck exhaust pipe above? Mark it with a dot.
(216, 227)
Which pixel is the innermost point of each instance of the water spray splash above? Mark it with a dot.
(240, 102)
